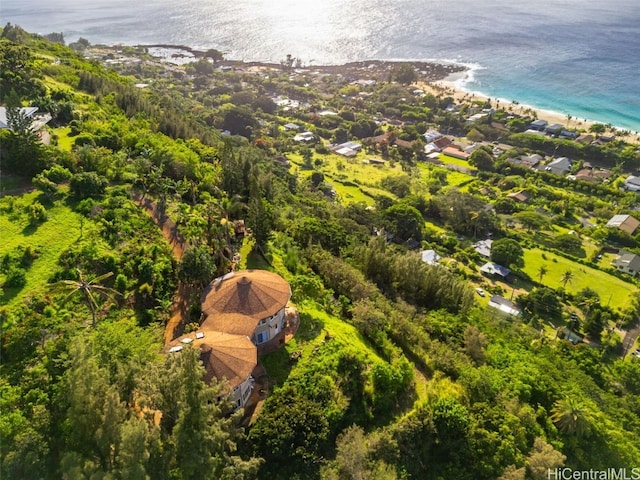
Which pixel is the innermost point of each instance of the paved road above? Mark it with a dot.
(630, 338)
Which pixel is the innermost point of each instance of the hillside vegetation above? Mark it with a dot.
(398, 369)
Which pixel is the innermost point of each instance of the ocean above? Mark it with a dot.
(575, 57)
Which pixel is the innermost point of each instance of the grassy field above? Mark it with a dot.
(64, 140)
(612, 290)
(350, 169)
(456, 161)
(49, 239)
(315, 325)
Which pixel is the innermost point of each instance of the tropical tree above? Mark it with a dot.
(572, 417)
(566, 277)
(507, 252)
(542, 271)
(90, 290)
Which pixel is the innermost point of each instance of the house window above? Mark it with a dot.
(262, 337)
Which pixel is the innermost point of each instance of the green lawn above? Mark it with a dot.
(350, 169)
(49, 239)
(612, 290)
(456, 161)
(64, 140)
(315, 325)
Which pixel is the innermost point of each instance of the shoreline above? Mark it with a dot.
(436, 76)
(454, 85)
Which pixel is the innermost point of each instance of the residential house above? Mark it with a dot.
(225, 356)
(430, 257)
(521, 196)
(347, 149)
(626, 223)
(239, 228)
(628, 263)
(304, 137)
(531, 161)
(441, 143)
(553, 129)
(476, 117)
(585, 138)
(493, 269)
(376, 161)
(250, 303)
(456, 153)
(431, 136)
(291, 126)
(282, 160)
(37, 121)
(559, 166)
(632, 183)
(591, 175)
(483, 247)
(538, 125)
(504, 305)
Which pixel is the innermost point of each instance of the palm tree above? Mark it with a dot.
(567, 276)
(89, 289)
(571, 417)
(542, 271)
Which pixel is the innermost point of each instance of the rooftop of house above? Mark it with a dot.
(232, 357)
(236, 302)
(622, 220)
(4, 118)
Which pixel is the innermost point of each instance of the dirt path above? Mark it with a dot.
(179, 316)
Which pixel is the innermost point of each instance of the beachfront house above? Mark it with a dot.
(538, 125)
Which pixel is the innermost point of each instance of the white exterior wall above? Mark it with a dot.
(269, 327)
(242, 392)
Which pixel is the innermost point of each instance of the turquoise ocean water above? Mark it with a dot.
(576, 57)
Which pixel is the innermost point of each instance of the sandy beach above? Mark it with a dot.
(451, 85)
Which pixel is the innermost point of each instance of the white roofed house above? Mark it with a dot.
(504, 305)
(628, 263)
(30, 113)
(430, 257)
(559, 166)
(632, 183)
(304, 137)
